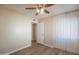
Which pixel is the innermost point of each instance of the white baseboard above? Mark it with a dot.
(17, 50)
(47, 45)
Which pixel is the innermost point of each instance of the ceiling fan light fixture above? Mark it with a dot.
(42, 11)
(38, 11)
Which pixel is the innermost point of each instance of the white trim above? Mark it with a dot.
(51, 46)
(48, 45)
(17, 50)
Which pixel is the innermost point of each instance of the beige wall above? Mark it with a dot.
(15, 31)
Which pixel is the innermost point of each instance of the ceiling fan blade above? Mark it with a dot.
(30, 8)
(48, 5)
(46, 11)
(36, 14)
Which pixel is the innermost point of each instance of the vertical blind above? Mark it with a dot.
(65, 31)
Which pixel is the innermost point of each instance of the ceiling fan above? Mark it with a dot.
(40, 8)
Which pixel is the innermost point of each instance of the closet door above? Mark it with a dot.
(40, 32)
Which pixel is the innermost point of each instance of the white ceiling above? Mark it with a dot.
(56, 9)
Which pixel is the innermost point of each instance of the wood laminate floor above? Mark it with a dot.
(38, 49)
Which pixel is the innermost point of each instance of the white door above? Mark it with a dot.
(40, 33)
